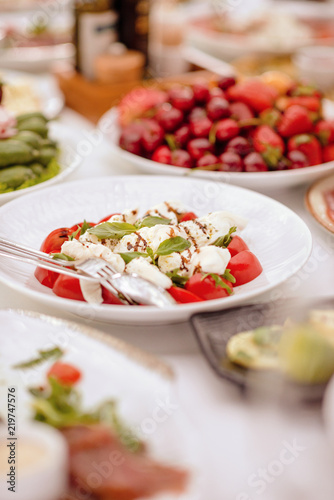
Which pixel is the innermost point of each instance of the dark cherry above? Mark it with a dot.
(208, 160)
(226, 82)
(182, 98)
(218, 108)
(181, 158)
(230, 162)
(298, 160)
(152, 136)
(239, 145)
(130, 139)
(201, 127)
(201, 92)
(162, 155)
(196, 114)
(198, 147)
(182, 135)
(226, 129)
(170, 119)
(255, 163)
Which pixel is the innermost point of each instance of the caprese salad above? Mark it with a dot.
(193, 258)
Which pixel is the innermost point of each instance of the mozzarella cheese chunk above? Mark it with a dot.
(168, 209)
(129, 216)
(143, 268)
(91, 291)
(79, 251)
(210, 259)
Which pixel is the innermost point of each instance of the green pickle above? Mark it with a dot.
(13, 177)
(34, 124)
(30, 137)
(13, 152)
(46, 155)
(33, 114)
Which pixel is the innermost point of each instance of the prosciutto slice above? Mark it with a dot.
(101, 468)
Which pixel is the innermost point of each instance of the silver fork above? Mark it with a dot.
(129, 288)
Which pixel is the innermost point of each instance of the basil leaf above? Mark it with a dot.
(150, 253)
(112, 230)
(129, 256)
(228, 276)
(73, 235)
(176, 278)
(85, 227)
(176, 244)
(151, 221)
(62, 256)
(54, 353)
(218, 282)
(224, 241)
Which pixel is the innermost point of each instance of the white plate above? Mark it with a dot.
(36, 59)
(44, 87)
(271, 225)
(253, 180)
(68, 160)
(316, 204)
(111, 369)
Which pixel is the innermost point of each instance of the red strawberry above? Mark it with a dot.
(308, 145)
(328, 153)
(324, 129)
(253, 92)
(312, 103)
(270, 144)
(295, 120)
(264, 136)
(136, 102)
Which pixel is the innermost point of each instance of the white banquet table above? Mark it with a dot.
(239, 438)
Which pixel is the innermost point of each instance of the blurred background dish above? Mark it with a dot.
(23, 93)
(319, 201)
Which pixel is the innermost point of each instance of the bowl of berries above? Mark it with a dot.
(259, 133)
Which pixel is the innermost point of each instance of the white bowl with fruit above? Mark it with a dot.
(258, 133)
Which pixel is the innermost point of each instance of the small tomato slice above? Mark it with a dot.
(183, 296)
(45, 277)
(68, 288)
(206, 288)
(188, 216)
(237, 245)
(109, 298)
(64, 373)
(245, 267)
(55, 239)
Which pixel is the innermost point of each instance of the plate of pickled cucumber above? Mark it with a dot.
(303, 352)
(34, 153)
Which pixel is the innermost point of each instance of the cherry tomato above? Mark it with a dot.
(64, 373)
(237, 245)
(45, 277)
(188, 216)
(206, 288)
(183, 296)
(55, 239)
(68, 288)
(245, 267)
(105, 219)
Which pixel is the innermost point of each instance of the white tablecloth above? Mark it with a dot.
(243, 443)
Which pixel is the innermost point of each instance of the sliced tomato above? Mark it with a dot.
(206, 288)
(68, 288)
(109, 298)
(245, 267)
(45, 277)
(64, 373)
(183, 296)
(237, 245)
(188, 216)
(55, 239)
(105, 219)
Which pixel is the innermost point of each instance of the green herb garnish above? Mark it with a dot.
(151, 221)
(228, 276)
(176, 244)
(176, 278)
(62, 256)
(53, 353)
(129, 256)
(218, 282)
(112, 230)
(224, 241)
